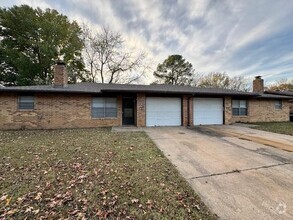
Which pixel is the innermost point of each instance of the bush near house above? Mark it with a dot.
(89, 174)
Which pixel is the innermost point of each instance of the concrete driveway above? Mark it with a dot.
(237, 178)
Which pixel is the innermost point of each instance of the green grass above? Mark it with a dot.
(90, 173)
(276, 127)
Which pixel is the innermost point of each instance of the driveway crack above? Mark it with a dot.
(238, 171)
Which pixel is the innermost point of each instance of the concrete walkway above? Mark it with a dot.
(236, 178)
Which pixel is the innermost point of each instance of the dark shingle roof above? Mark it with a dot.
(109, 88)
(285, 93)
(272, 96)
(96, 88)
(162, 88)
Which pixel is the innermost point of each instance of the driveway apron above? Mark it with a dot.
(237, 178)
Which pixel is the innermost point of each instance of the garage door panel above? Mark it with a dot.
(163, 111)
(207, 111)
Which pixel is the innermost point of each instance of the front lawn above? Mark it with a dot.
(276, 127)
(90, 174)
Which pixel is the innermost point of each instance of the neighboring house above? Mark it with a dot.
(285, 93)
(84, 105)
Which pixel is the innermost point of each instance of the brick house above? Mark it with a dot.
(85, 105)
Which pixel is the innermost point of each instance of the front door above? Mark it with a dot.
(128, 111)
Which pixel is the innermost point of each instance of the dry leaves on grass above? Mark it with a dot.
(88, 174)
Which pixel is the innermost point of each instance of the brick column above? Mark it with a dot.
(185, 110)
(119, 109)
(191, 111)
(228, 111)
(140, 108)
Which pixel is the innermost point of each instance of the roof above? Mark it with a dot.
(98, 88)
(285, 93)
(272, 96)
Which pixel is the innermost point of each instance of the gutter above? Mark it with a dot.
(179, 92)
(47, 91)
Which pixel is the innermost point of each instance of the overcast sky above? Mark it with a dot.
(239, 37)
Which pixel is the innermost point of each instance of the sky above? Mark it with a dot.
(239, 37)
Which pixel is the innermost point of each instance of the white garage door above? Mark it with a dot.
(207, 111)
(163, 111)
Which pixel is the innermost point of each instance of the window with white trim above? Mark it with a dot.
(278, 104)
(26, 102)
(104, 108)
(239, 107)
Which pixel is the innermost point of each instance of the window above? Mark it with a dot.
(278, 104)
(239, 107)
(26, 102)
(104, 108)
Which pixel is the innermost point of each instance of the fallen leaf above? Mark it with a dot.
(82, 177)
(134, 201)
(74, 212)
(8, 201)
(38, 196)
(3, 198)
(20, 200)
(36, 211)
(29, 209)
(197, 206)
(149, 202)
(104, 192)
(11, 212)
(99, 213)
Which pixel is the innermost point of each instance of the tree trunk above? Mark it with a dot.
(101, 72)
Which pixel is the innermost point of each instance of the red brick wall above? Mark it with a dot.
(53, 111)
(140, 108)
(74, 111)
(259, 110)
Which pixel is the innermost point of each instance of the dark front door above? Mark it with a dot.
(128, 111)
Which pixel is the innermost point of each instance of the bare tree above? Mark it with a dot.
(282, 85)
(108, 60)
(224, 81)
(240, 83)
(90, 54)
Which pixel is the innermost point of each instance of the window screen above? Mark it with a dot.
(104, 108)
(278, 104)
(239, 107)
(26, 102)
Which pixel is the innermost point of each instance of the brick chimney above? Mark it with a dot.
(60, 74)
(258, 85)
